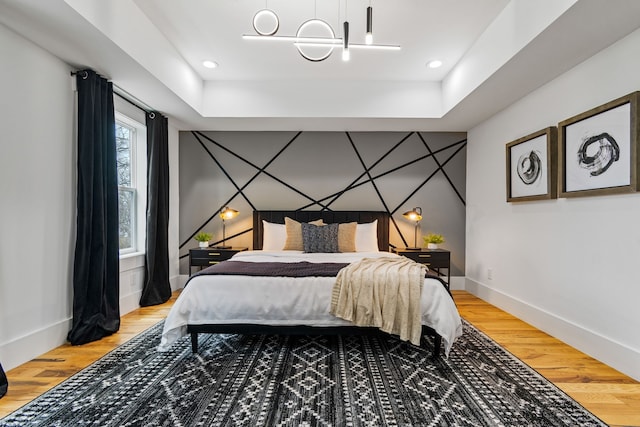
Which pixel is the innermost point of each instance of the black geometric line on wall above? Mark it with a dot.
(431, 153)
(375, 187)
(395, 169)
(213, 215)
(367, 171)
(239, 190)
(441, 167)
(428, 179)
(335, 196)
(262, 170)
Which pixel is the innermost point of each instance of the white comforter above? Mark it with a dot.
(223, 299)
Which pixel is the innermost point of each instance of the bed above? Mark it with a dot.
(271, 304)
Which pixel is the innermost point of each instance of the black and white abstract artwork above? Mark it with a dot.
(597, 151)
(529, 167)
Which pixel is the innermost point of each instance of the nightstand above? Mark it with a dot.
(204, 257)
(435, 260)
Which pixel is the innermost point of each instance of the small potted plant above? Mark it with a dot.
(203, 239)
(433, 240)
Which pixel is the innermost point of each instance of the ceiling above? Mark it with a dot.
(493, 53)
(425, 29)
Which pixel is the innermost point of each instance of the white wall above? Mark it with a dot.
(174, 210)
(37, 196)
(37, 204)
(567, 266)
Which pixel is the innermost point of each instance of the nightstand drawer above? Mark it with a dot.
(436, 260)
(428, 258)
(204, 257)
(208, 257)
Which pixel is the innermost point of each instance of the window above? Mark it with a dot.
(126, 185)
(130, 158)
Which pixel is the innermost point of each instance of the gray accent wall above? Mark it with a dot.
(386, 171)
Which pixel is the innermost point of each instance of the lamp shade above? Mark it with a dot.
(228, 213)
(414, 215)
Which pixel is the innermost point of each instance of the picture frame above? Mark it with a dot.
(598, 150)
(532, 166)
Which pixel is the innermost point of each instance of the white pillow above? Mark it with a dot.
(274, 236)
(367, 237)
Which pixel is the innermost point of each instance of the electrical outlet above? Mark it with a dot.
(490, 274)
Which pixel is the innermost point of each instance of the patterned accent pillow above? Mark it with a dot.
(294, 234)
(320, 238)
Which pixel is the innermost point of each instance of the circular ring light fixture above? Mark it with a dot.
(315, 28)
(266, 22)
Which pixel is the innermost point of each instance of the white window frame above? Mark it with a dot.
(138, 179)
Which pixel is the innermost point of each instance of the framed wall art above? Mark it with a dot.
(532, 167)
(598, 150)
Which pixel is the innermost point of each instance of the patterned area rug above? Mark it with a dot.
(338, 381)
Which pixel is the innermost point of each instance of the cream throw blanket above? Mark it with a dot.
(381, 292)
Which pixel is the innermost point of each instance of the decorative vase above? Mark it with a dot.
(203, 244)
(432, 246)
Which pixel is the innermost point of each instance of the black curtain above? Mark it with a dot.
(4, 383)
(156, 288)
(96, 288)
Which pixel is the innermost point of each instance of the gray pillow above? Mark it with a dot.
(320, 238)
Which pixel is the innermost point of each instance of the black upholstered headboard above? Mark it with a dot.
(328, 217)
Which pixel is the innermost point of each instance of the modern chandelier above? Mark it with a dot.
(314, 39)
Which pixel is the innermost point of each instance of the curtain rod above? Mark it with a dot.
(126, 96)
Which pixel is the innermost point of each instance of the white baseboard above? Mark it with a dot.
(612, 353)
(25, 348)
(178, 282)
(129, 302)
(458, 283)
(20, 350)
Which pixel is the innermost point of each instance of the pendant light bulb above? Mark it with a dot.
(368, 38)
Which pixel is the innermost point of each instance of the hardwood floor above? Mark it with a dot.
(612, 396)
(33, 378)
(609, 394)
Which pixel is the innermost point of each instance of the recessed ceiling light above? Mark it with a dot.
(434, 64)
(210, 64)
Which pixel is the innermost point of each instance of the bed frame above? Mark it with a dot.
(306, 216)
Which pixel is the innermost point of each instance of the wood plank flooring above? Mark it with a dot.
(609, 394)
(612, 396)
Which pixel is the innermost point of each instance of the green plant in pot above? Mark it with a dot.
(203, 239)
(432, 240)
